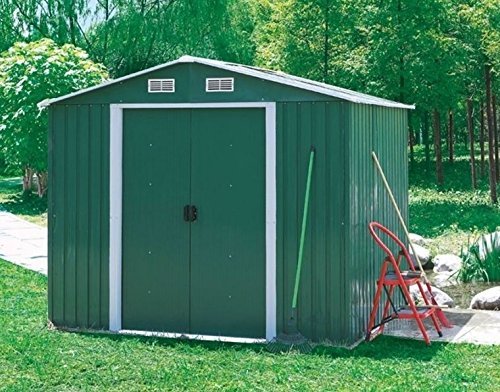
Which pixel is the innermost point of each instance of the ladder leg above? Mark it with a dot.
(439, 312)
(414, 310)
(376, 301)
(373, 313)
(430, 301)
(386, 307)
(421, 326)
(436, 325)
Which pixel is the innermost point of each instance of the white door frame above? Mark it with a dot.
(115, 212)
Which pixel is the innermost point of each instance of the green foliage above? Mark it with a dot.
(35, 358)
(136, 36)
(30, 73)
(481, 261)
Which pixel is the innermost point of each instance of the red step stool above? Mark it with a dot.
(391, 277)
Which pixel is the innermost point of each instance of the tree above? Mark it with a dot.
(491, 136)
(30, 73)
(148, 33)
(482, 19)
(437, 146)
(470, 127)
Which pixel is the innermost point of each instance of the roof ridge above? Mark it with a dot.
(253, 71)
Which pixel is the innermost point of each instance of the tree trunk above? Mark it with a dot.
(412, 143)
(450, 134)
(425, 136)
(42, 178)
(495, 131)
(470, 127)
(481, 140)
(491, 137)
(27, 180)
(437, 147)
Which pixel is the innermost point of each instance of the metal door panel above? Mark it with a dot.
(156, 155)
(228, 238)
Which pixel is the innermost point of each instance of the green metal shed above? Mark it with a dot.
(130, 158)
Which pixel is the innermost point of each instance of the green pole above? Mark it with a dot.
(303, 229)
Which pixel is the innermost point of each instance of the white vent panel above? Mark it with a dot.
(219, 85)
(161, 85)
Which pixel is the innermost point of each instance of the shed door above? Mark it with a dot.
(155, 239)
(207, 276)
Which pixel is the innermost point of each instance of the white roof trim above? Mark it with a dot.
(273, 76)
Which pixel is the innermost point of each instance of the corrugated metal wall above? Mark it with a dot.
(300, 125)
(340, 265)
(79, 215)
(382, 130)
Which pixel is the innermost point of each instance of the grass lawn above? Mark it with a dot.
(29, 207)
(35, 358)
(452, 214)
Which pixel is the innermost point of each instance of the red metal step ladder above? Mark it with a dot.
(391, 277)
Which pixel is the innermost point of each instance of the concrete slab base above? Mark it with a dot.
(469, 326)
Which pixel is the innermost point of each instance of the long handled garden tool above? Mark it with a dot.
(439, 313)
(291, 338)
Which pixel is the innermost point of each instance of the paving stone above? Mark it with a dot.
(23, 243)
(469, 326)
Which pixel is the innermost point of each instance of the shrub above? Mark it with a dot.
(30, 73)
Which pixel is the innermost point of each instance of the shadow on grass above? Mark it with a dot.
(384, 347)
(457, 176)
(12, 199)
(433, 219)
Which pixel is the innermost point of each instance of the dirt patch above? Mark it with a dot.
(462, 293)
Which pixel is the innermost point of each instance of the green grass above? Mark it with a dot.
(35, 358)
(453, 213)
(27, 206)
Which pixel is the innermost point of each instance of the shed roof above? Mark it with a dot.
(261, 73)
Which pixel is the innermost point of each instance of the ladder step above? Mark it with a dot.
(409, 277)
(423, 312)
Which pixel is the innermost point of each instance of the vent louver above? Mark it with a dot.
(220, 84)
(161, 85)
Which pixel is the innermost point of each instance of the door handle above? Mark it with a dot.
(190, 213)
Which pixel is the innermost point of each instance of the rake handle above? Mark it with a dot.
(398, 212)
(303, 229)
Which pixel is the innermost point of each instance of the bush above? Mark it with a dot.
(30, 73)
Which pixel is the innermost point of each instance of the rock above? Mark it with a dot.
(440, 296)
(447, 263)
(487, 299)
(445, 279)
(423, 254)
(417, 239)
(487, 243)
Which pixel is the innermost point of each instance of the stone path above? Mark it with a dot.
(469, 326)
(23, 243)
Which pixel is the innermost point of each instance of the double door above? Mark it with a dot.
(193, 234)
